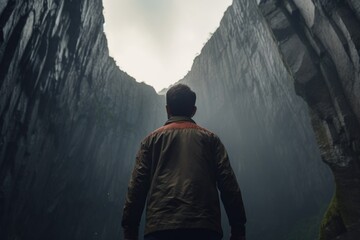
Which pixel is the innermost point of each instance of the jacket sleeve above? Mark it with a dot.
(136, 195)
(229, 191)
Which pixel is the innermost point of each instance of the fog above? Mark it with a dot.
(247, 97)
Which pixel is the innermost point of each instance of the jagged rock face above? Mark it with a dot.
(70, 123)
(320, 42)
(246, 95)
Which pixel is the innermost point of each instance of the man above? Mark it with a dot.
(179, 169)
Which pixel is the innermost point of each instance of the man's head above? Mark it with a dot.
(180, 101)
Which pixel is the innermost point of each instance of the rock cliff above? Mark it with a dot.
(70, 122)
(320, 43)
(246, 95)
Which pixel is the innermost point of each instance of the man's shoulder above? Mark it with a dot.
(179, 126)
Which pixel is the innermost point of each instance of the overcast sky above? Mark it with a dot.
(155, 41)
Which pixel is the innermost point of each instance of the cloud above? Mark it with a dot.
(156, 41)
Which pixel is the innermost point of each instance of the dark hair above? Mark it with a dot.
(181, 100)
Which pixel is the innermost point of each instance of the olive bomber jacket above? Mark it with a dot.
(179, 169)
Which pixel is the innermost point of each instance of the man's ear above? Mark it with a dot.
(194, 111)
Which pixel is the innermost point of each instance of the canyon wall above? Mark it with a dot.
(70, 122)
(246, 95)
(320, 42)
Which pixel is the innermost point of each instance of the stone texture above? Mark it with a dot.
(331, 46)
(70, 122)
(246, 95)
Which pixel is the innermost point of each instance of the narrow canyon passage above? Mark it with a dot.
(71, 120)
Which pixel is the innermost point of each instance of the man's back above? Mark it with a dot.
(183, 192)
(179, 169)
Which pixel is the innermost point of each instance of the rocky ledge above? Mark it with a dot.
(320, 43)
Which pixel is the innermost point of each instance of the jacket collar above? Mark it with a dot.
(179, 119)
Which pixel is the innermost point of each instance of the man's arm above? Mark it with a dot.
(136, 195)
(230, 192)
